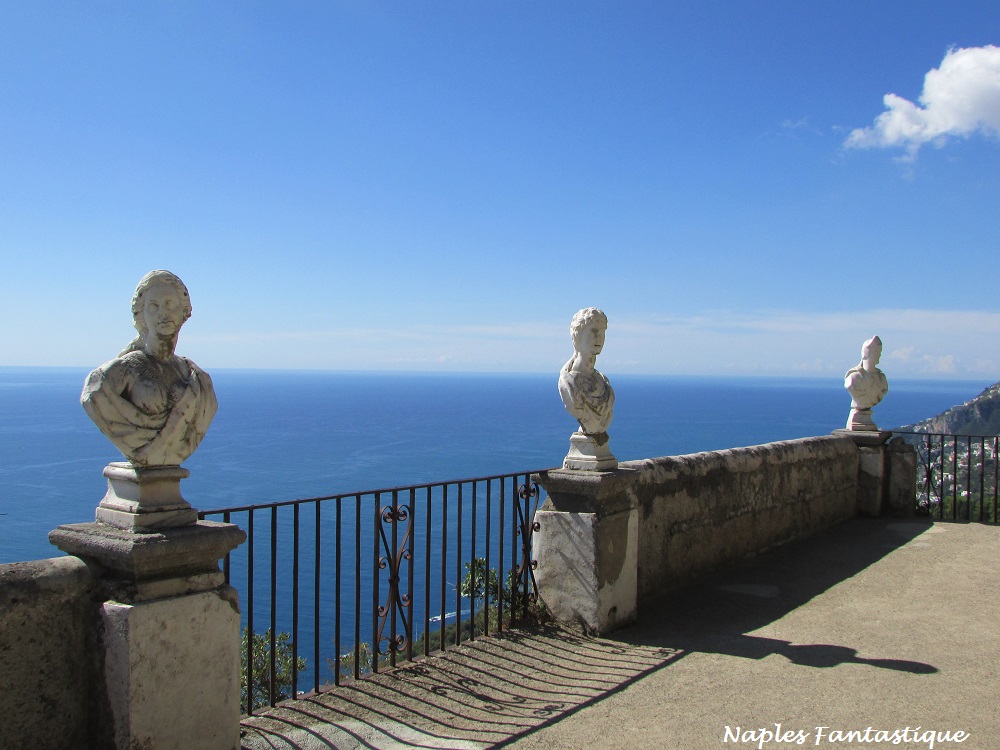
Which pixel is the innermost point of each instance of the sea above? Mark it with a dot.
(282, 435)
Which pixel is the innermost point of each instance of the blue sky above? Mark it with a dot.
(441, 185)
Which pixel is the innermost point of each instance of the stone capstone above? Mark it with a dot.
(138, 567)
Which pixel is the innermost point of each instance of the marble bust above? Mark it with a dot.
(152, 404)
(867, 386)
(587, 394)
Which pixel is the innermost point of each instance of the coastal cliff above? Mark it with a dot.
(979, 416)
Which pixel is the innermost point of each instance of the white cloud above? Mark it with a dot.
(924, 364)
(919, 343)
(960, 98)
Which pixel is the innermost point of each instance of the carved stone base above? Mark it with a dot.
(585, 454)
(145, 500)
(861, 420)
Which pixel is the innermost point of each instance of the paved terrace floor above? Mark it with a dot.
(888, 624)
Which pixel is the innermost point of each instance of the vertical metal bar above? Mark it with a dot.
(336, 590)
(472, 571)
(517, 553)
(930, 467)
(515, 501)
(982, 478)
(357, 587)
(929, 476)
(968, 478)
(393, 579)
(996, 476)
(226, 560)
(274, 603)
(427, 575)
(376, 538)
(458, 569)
(962, 495)
(444, 562)
(941, 475)
(486, 584)
(520, 515)
(316, 595)
(954, 476)
(249, 652)
(409, 573)
(967, 484)
(500, 540)
(295, 601)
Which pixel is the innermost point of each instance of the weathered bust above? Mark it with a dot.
(153, 405)
(867, 386)
(586, 393)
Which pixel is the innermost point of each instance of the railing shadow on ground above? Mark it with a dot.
(491, 692)
(476, 696)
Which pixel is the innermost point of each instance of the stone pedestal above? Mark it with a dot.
(145, 499)
(586, 454)
(171, 632)
(861, 420)
(887, 473)
(871, 470)
(172, 668)
(587, 547)
(901, 486)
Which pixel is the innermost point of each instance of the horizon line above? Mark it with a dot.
(954, 378)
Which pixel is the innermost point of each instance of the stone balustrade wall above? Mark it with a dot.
(701, 511)
(51, 689)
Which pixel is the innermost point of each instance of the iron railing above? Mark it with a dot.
(956, 475)
(347, 585)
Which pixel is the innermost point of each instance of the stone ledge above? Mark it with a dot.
(865, 438)
(577, 491)
(143, 566)
(56, 576)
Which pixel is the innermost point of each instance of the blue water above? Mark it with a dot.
(283, 435)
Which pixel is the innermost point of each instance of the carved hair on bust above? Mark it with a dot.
(146, 283)
(866, 348)
(584, 318)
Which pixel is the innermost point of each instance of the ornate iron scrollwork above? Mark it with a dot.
(525, 590)
(398, 606)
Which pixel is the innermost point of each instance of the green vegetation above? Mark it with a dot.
(365, 660)
(261, 690)
(482, 586)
